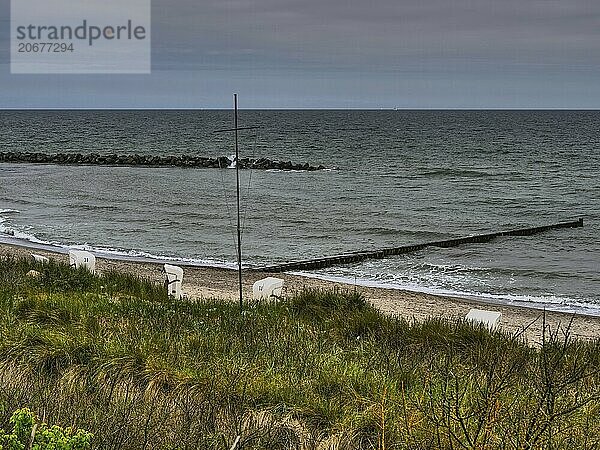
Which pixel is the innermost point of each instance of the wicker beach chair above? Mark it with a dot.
(81, 258)
(267, 288)
(174, 281)
(490, 319)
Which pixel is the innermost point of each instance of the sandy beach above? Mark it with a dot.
(209, 282)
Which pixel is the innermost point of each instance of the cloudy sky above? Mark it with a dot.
(343, 54)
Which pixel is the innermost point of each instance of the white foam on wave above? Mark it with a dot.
(300, 170)
(17, 233)
(24, 238)
(115, 253)
(4, 228)
(549, 301)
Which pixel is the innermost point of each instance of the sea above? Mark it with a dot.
(393, 178)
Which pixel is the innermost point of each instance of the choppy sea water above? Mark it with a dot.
(397, 177)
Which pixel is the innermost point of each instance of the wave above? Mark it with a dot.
(332, 169)
(462, 173)
(4, 229)
(385, 231)
(487, 271)
(14, 236)
(20, 235)
(139, 255)
(24, 237)
(92, 207)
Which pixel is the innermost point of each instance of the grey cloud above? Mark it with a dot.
(406, 53)
(379, 33)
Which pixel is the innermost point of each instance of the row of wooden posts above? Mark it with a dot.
(353, 257)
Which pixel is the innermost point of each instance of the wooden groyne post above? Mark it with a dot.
(353, 257)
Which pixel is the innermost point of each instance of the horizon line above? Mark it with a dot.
(291, 109)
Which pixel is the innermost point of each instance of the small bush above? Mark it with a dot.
(29, 433)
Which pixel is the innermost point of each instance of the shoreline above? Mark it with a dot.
(214, 282)
(142, 257)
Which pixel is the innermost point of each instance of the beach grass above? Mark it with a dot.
(113, 355)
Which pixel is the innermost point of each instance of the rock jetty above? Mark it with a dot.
(150, 161)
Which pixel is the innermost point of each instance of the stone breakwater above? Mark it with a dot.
(150, 161)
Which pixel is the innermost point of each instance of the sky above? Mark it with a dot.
(343, 54)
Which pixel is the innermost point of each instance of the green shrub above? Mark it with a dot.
(28, 432)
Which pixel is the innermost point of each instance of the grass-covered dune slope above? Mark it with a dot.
(114, 356)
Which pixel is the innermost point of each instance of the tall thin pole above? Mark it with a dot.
(237, 177)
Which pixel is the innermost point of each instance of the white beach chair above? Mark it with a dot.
(39, 258)
(174, 280)
(81, 258)
(490, 319)
(267, 288)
